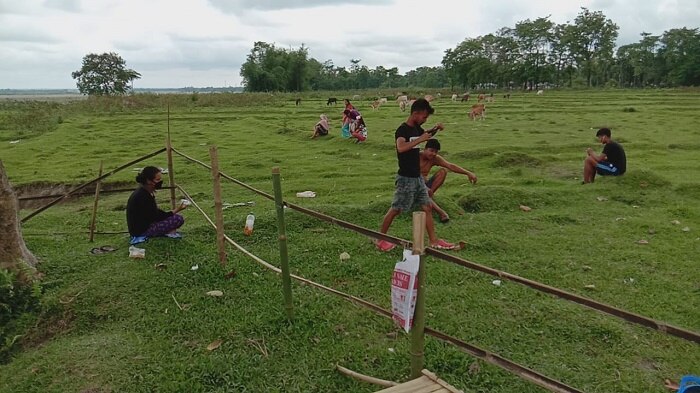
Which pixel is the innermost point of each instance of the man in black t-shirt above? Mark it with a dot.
(611, 162)
(410, 186)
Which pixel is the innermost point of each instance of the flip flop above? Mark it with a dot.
(444, 220)
(102, 250)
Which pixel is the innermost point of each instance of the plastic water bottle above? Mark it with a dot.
(249, 222)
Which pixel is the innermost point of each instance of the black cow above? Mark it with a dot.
(297, 102)
(332, 100)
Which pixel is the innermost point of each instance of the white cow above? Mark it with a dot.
(454, 97)
(540, 92)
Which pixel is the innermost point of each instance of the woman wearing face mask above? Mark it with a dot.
(143, 216)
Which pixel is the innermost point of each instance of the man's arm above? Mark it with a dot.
(402, 145)
(455, 168)
(597, 158)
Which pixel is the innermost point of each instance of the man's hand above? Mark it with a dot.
(472, 178)
(590, 151)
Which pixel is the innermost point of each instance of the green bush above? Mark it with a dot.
(16, 301)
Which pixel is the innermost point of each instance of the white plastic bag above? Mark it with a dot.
(138, 253)
(404, 289)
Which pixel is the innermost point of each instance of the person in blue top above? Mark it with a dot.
(143, 217)
(611, 162)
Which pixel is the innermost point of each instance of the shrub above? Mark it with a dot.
(17, 300)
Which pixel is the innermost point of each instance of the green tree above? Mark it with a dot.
(592, 43)
(534, 39)
(681, 55)
(104, 74)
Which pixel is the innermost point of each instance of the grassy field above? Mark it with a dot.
(108, 323)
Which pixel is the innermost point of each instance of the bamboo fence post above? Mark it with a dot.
(94, 206)
(171, 174)
(284, 257)
(218, 208)
(418, 330)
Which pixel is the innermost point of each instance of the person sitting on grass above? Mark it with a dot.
(321, 128)
(410, 188)
(611, 162)
(429, 157)
(358, 129)
(143, 217)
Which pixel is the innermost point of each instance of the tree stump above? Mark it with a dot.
(14, 254)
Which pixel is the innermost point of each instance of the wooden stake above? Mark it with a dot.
(171, 173)
(218, 208)
(284, 257)
(418, 330)
(94, 206)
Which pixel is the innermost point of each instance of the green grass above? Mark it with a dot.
(124, 333)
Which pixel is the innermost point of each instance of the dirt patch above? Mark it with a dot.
(50, 324)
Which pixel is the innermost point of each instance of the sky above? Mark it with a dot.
(202, 43)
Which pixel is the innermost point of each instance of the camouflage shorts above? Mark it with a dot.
(410, 191)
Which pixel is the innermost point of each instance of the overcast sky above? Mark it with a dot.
(178, 43)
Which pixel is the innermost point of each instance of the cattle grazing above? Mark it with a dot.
(481, 98)
(478, 110)
(402, 105)
(506, 96)
(356, 97)
(383, 100)
(465, 97)
(332, 100)
(454, 97)
(375, 104)
(402, 98)
(540, 92)
(490, 98)
(429, 98)
(297, 102)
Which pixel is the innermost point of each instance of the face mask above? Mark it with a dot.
(159, 185)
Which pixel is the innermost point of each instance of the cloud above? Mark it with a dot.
(241, 6)
(64, 5)
(11, 35)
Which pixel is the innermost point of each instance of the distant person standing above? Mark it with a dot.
(410, 186)
(143, 217)
(611, 162)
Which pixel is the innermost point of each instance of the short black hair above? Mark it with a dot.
(422, 104)
(603, 131)
(432, 143)
(146, 174)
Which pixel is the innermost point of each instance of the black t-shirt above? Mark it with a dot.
(409, 162)
(616, 155)
(142, 211)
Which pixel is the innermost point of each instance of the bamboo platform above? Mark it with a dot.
(428, 383)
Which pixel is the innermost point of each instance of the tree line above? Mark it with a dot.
(531, 54)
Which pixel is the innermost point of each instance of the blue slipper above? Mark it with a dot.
(174, 235)
(137, 239)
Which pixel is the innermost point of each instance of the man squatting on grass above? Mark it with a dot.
(430, 157)
(611, 162)
(410, 186)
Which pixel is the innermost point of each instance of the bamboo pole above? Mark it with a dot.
(418, 330)
(284, 257)
(80, 187)
(218, 208)
(171, 173)
(94, 205)
(78, 194)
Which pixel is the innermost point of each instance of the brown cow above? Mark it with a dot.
(478, 110)
(465, 97)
